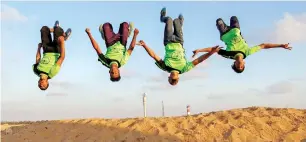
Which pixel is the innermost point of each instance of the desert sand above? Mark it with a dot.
(254, 124)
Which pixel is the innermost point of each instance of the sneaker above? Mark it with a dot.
(101, 31)
(67, 33)
(162, 14)
(131, 28)
(181, 17)
(56, 24)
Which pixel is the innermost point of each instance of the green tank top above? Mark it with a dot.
(48, 64)
(234, 41)
(175, 56)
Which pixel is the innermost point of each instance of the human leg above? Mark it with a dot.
(124, 33)
(109, 35)
(222, 27)
(178, 31)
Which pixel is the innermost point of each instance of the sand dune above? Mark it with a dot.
(239, 125)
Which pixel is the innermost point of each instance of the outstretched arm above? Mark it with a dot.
(158, 61)
(61, 43)
(133, 43)
(271, 45)
(38, 55)
(93, 42)
(149, 51)
(208, 49)
(205, 56)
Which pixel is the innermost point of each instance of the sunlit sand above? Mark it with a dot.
(248, 124)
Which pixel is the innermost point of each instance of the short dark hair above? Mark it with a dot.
(237, 70)
(173, 80)
(115, 79)
(43, 89)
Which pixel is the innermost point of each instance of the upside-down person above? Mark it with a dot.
(53, 54)
(174, 61)
(116, 54)
(236, 47)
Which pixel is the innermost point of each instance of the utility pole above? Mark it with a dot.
(163, 109)
(144, 105)
(188, 110)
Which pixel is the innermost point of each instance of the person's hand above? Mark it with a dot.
(141, 43)
(216, 49)
(217, 46)
(136, 31)
(195, 52)
(286, 46)
(87, 30)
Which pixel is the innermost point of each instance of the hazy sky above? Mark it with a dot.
(82, 89)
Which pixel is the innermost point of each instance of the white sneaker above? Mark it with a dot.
(131, 28)
(67, 33)
(101, 31)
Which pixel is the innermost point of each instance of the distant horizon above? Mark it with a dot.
(272, 78)
(141, 117)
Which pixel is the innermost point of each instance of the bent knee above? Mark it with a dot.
(107, 25)
(169, 20)
(176, 20)
(124, 24)
(234, 18)
(219, 20)
(45, 29)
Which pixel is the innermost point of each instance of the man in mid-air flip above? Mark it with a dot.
(236, 47)
(174, 61)
(116, 55)
(53, 53)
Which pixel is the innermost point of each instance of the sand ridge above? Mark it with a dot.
(241, 125)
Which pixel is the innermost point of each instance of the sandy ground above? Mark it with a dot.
(254, 124)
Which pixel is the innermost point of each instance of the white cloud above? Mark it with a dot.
(11, 14)
(291, 28)
(280, 88)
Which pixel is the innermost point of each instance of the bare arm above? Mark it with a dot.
(149, 51)
(271, 45)
(205, 56)
(93, 42)
(158, 61)
(133, 43)
(208, 49)
(38, 55)
(61, 43)
(201, 58)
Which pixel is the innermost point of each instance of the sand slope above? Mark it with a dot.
(239, 125)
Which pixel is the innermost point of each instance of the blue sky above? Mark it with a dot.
(82, 89)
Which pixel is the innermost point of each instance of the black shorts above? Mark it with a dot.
(49, 45)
